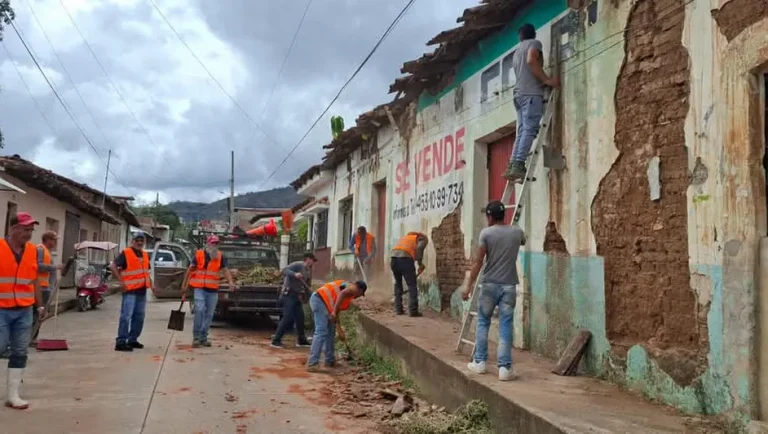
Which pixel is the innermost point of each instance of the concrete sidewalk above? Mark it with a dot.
(537, 402)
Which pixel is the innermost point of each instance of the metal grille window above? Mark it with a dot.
(321, 225)
(345, 218)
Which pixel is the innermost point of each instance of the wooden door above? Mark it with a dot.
(499, 153)
(71, 237)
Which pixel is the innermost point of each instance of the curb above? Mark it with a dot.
(447, 386)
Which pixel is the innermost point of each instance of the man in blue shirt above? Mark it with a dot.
(298, 277)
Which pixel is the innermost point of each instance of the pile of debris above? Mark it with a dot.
(364, 395)
(258, 275)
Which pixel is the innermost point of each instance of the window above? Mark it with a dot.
(83, 235)
(51, 225)
(9, 213)
(321, 230)
(345, 219)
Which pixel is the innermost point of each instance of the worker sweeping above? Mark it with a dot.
(326, 304)
(46, 270)
(203, 276)
(408, 252)
(131, 268)
(19, 294)
(364, 246)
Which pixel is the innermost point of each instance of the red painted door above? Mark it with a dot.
(499, 153)
(381, 223)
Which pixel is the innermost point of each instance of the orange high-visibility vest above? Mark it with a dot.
(409, 243)
(44, 276)
(203, 277)
(17, 279)
(136, 275)
(368, 243)
(330, 293)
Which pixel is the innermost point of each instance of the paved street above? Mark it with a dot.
(239, 385)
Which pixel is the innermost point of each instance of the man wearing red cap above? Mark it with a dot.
(19, 294)
(203, 275)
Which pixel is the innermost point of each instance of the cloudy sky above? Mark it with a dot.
(180, 148)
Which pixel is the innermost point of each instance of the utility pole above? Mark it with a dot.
(232, 192)
(106, 178)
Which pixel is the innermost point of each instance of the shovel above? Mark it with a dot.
(342, 336)
(176, 321)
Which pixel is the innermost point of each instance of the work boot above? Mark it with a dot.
(399, 312)
(313, 368)
(196, 343)
(135, 345)
(330, 364)
(515, 172)
(122, 346)
(304, 344)
(416, 314)
(276, 344)
(207, 343)
(14, 388)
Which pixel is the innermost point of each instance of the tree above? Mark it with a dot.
(162, 214)
(7, 14)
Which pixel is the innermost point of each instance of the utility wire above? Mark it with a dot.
(61, 100)
(66, 71)
(338, 94)
(208, 71)
(112, 83)
(285, 60)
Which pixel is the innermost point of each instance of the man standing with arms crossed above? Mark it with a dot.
(498, 246)
(131, 268)
(528, 94)
(46, 271)
(19, 294)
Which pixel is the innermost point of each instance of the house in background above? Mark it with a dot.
(75, 211)
(158, 232)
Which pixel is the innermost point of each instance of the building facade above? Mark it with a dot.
(652, 235)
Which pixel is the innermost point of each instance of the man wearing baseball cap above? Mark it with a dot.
(203, 276)
(498, 246)
(131, 268)
(20, 293)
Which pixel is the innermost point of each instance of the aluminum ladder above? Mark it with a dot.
(531, 162)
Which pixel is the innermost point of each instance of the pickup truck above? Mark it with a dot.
(247, 300)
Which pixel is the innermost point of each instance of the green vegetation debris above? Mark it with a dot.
(471, 418)
(259, 275)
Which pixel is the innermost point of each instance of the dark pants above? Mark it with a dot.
(405, 268)
(293, 312)
(46, 298)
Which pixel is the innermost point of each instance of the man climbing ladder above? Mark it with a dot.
(528, 63)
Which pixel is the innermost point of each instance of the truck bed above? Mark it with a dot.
(250, 299)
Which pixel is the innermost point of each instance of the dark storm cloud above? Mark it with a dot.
(192, 125)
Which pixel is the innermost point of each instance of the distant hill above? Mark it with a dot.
(284, 197)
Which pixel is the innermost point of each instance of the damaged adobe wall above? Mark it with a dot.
(451, 263)
(648, 294)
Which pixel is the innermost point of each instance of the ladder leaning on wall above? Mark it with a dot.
(539, 146)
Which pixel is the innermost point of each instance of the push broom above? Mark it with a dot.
(54, 344)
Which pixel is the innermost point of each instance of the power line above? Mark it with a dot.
(111, 82)
(208, 71)
(66, 71)
(59, 98)
(354, 74)
(285, 60)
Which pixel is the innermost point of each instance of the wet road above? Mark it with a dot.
(239, 385)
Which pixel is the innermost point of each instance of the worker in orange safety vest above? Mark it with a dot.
(326, 304)
(408, 252)
(20, 293)
(132, 268)
(47, 272)
(364, 246)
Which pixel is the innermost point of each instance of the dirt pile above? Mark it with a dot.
(258, 275)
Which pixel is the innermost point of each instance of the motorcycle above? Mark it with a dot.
(92, 282)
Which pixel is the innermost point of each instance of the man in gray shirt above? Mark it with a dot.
(530, 79)
(298, 277)
(498, 247)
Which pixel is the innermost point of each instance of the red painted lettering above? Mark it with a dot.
(460, 163)
(426, 160)
(448, 154)
(437, 158)
(399, 178)
(419, 165)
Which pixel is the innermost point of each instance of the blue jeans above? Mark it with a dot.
(529, 113)
(492, 295)
(325, 332)
(15, 329)
(132, 312)
(205, 306)
(293, 314)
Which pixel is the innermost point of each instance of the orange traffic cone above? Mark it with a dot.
(269, 229)
(287, 220)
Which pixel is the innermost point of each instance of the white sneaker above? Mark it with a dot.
(476, 367)
(505, 374)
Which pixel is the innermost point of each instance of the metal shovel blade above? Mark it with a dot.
(176, 321)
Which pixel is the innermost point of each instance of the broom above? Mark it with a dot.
(53, 344)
